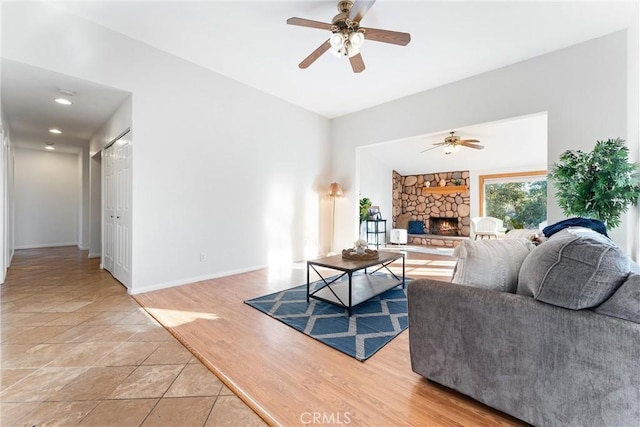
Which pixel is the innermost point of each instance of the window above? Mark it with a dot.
(519, 199)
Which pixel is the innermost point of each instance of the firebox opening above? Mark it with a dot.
(443, 226)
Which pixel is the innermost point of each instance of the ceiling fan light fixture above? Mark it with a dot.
(356, 39)
(337, 41)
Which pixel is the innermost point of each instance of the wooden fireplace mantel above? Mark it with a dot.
(447, 189)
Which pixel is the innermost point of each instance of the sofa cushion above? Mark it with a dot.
(625, 302)
(490, 264)
(575, 268)
(416, 227)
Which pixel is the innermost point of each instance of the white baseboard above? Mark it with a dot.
(46, 245)
(187, 281)
(92, 255)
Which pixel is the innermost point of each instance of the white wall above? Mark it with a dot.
(84, 222)
(583, 88)
(47, 189)
(218, 168)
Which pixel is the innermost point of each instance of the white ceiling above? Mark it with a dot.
(251, 43)
(450, 40)
(515, 143)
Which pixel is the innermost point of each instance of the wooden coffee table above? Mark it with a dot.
(359, 288)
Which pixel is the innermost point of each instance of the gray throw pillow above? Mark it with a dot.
(575, 268)
(625, 303)
(491, 263)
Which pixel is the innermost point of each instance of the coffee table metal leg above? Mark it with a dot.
(349, 308)
(307, 282)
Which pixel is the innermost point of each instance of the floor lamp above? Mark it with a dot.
(334, 192)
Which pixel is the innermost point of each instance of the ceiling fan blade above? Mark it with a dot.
(469, 140)
(437, 144)
(386, 36)
(315, 55)
(309, 23)
(428, 149)
(359, 9)
(357, 63)
(477, 147)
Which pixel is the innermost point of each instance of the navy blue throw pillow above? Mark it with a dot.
(416, 227)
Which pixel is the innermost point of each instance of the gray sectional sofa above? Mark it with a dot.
(563, 350)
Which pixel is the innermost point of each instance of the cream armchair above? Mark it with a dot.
(486, 226)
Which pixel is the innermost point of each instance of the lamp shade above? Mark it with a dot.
(335, 190)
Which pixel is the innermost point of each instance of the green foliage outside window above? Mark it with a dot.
(517, 204)
(600, 184)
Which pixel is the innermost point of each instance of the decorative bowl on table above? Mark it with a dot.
(353, 255)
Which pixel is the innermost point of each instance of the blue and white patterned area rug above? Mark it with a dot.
(372, 325)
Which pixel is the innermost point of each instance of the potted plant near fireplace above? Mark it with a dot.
(600, 184)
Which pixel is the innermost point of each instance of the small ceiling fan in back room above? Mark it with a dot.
(453, 142)
(347, 36)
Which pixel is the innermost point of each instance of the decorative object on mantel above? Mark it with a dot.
(352, 255)
(427, 184)
(443, 183)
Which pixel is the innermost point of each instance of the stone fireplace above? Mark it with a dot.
(440, 200)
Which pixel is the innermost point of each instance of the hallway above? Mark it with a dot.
(76, 349)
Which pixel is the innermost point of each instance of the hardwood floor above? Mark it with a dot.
(291, 379)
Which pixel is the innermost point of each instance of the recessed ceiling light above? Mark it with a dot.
(63, 101)
(56, 131)
(49, 146)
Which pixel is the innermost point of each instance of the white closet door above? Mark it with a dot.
(109, 214)
(122, 269)
(117, 209)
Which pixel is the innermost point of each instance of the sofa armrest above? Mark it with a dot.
(543, 364)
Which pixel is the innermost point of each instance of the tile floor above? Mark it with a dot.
(76, 349)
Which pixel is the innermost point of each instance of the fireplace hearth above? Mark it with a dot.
(443, 226)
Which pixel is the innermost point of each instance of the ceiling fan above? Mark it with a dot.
(347, 36)
(453, 142)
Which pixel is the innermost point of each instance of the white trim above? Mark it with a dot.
(188, 281)
(98, 255)
(47, 245)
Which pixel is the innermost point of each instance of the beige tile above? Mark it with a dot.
(119, 413)
(231, 411)
(105, 317)
(17, 414)
(169, 353)
(147, 381)
(195, 380)
(94, 384)
(8, 377)
(72, 319)
(83, 354)
(40, 385)
(138, 317)
(40, 319)
(16, 356)
(153, 333)
(128, 354)
(181, 411)
(10, 331)
(117, 333)
(60, 413)
(36, 335)
(80, 333)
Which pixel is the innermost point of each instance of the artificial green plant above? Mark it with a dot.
(600, 184)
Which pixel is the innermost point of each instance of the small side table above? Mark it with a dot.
(377, 232)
